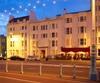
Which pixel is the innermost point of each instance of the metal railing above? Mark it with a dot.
(41, 68)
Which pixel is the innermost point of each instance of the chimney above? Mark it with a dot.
(64, 11)
(11, 17)
(32, 16)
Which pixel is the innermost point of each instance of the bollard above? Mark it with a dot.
(6, 66)
(22, 68)
(74, 71)
(61, 69)
(40, 70)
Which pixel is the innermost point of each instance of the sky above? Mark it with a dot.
(42, 8)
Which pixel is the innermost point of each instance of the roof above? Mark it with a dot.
(27, 17)
(75, 12)
(19, 18)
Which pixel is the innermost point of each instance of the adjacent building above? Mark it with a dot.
(2, 46)
(70, 34)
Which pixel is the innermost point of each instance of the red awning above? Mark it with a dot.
(86, 49)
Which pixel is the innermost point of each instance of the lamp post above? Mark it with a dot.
(93, 72)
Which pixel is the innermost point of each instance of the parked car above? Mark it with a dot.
(33, 58)
(16, 58)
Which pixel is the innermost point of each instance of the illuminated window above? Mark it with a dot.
(22, 43)
(98, 39)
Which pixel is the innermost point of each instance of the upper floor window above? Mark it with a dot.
(82, 29)
(33, 36)
(25, 27)
(22, 27)
(82, 41)
(33, 28)
(53, 34)
(54, 43)
(12, 29)
(53, 26)
(68, 30)
(68, 20)
(44, 35)
(82, 18)
(98, 28)
(98, 39)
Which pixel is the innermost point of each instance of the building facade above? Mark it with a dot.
(2, 46)
(29, 36)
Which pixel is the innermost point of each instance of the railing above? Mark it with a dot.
(39, 68)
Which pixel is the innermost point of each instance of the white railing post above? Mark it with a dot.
(74, 71)
(6, 66)
(61, 70)
(22, 71)
(40, 69)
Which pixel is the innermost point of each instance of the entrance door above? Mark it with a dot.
(43, 53)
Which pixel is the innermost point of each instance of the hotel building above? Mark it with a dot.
(70, 33)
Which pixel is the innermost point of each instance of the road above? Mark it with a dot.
(51, 69)
(18, 78)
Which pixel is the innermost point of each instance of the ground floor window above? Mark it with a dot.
(98, 52)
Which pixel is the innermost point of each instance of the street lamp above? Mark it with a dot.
(93, 71)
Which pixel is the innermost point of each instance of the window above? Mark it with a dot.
(44, 35)
(68, 20)
(22, 27)
(82, 41)
(10, 29)
(22, 43)
(98, 28)
(25, 42)
(56, 42)
(22, 34)
(98, 39)
(82, 29)
(36, 27)
(53, 26)
(98, 52)
(68, 30)
(33, 28)
(25, 27)
(46, 27)
(33, 36)
(82, 18)
(11, 44)
(25, 34)
(53, 34)
(98, 8)
(53, 43)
